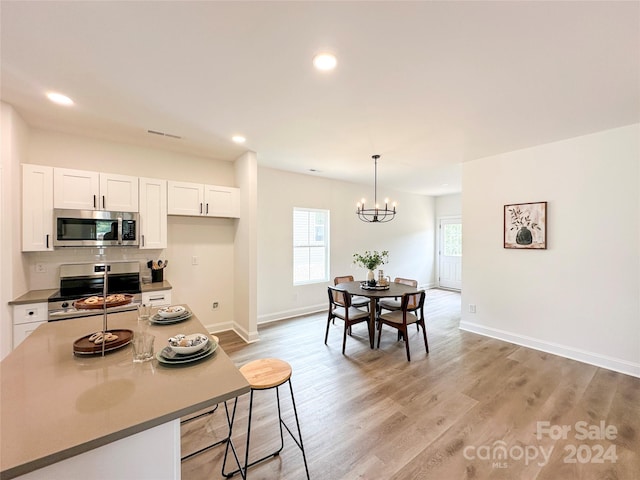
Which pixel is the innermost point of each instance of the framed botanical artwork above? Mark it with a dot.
(525, 225)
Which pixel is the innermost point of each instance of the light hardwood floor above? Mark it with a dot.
(370, 414)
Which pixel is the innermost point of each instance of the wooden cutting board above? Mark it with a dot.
(84, 346)
(82, 304)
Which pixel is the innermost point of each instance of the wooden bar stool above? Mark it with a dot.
(263, 374)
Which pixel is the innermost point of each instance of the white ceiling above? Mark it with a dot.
(427, 85)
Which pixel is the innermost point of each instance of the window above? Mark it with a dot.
(310, 245)
(452, 239)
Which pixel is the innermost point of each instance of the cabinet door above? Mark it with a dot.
(153, 213)
(118, 193)
(75, 189)
(37, 208)
(185, 198)
(221, 201)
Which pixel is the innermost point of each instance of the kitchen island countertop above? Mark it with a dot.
(56, 405)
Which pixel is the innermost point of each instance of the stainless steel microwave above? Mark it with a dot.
(95, 228)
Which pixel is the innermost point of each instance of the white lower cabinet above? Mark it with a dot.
(159, 298)
(26, 318)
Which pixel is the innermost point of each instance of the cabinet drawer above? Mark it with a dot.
(159, 298)
(30, 312)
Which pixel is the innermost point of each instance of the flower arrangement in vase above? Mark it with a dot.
(371, 261)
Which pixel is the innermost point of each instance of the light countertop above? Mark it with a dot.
(56, 405)
(37, 296)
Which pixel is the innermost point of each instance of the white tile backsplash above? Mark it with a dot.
(52, 261)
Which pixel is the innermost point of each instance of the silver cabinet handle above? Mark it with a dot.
(119, 230)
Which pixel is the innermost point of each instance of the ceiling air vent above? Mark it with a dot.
(155, 132)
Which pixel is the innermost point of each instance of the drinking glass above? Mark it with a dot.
(144, 312)
(142, 343)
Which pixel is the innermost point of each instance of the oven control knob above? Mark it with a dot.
(65, 304)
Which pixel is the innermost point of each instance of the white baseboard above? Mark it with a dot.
(249, 337)
(604, 361)
(296, 312)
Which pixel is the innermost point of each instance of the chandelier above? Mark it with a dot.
(376, 214)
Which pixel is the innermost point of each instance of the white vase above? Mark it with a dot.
(371, 278)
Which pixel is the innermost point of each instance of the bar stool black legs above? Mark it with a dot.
(263, 374)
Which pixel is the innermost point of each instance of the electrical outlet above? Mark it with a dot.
(215, 305)
(194, 260)
(41, 268)
(472, 308)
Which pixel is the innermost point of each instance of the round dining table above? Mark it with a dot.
(394, 290)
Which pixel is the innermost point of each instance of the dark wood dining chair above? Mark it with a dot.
(392, 304)
(411, 311)
(340, 307)
(356, 301)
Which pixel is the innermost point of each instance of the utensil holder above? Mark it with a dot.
(157, 275)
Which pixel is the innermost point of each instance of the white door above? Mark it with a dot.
(450, 263)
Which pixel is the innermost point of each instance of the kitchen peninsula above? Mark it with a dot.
(67, 416)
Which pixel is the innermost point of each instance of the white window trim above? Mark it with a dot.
(327, 247)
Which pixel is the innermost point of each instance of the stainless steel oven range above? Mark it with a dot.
(81, 289)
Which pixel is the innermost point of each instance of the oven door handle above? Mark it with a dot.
(119, 230)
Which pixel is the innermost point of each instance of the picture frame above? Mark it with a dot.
(525, 226)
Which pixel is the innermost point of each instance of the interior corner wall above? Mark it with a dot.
(14, 271)
(409, 238)
(579, 297)
(245, 246)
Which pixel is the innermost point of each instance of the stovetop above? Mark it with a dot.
(78, 281)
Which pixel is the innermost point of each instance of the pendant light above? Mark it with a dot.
(376, 214)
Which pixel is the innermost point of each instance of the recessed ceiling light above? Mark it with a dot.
(59, 98)
(238, 139)
(325, 61)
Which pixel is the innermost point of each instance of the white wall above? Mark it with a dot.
(211, 240)
(449, 205)
(245, 285)
(579, 298)
(13, 270)
(409, 238)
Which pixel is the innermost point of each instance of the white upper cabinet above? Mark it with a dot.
(119, 193)
(153, 213)
(185, 198)
(37, 208)
(196, 199)
(221, 201)
(83, 190)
